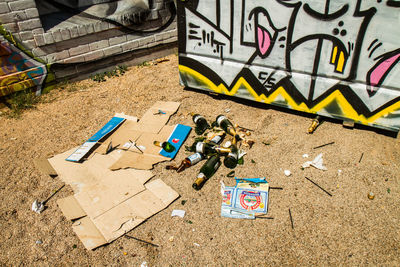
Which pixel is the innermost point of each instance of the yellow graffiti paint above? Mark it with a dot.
(336, 96)
(334, 54)
(340, 63)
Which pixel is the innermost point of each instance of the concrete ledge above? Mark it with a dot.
(80, 71)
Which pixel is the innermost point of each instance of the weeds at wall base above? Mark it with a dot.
(101, 77)
(20, 101)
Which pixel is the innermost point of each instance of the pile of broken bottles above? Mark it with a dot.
(210, 145)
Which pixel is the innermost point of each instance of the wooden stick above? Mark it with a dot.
(362, 154)
(319, 186)
(52, 195)
(291, 219)
(331, 143)
(278, 188)
(140, 240)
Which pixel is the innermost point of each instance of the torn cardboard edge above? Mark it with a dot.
(84, 149)
(106, 204)
(44, 166)
(108, 227)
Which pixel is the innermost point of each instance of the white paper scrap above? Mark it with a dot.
(179, 213)
(287, 172)
(318, 163)
(37, 206)
(222, 188)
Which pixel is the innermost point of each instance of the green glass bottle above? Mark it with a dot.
(206, 171)
(205, 148)
(201, 124)
(227, 126)
(231, 160)
(167, 146)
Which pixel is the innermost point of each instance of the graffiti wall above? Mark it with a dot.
(335, 58)
(18, 70)
(45, 41)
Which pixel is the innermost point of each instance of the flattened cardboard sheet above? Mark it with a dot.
(150, 155)
(71, 208)
(157, 116)
(84, 149)
(120, 219)
(135, 210)
(44, 167)
(96, 187)
(88, 233)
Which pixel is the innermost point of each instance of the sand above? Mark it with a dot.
(346, 228)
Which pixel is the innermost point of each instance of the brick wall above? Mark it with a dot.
(82, 43)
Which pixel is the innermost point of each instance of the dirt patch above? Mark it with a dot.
(346, 228)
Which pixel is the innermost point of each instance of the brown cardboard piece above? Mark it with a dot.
(44, 167)
(106, 204)
(150, 155)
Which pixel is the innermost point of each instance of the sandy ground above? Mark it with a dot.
(345, 229)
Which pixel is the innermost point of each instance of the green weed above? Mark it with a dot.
(20, 101)
(101, 77)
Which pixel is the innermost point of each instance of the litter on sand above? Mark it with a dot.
(287, 173)
(248, 199)
(178, 213)
(317, 162)
(37, 206)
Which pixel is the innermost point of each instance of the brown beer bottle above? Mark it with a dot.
(190, 161)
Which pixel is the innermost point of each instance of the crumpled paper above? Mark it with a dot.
(37, 206)
(318, 163)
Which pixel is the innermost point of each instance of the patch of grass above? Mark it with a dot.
(144, 64)
(101, 77)
(20, 101)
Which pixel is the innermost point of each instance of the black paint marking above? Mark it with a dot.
(326, 16)
(372, 43)
(192, 37)
(193, 32)
(393, 3)
(373, 50)
(191, 25)
(218, 10)
(283, 38)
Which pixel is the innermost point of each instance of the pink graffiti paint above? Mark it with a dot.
(380, 71)
(264, 40)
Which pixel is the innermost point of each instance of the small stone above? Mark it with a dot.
(125, 253)
(39, 242)
(171, 239)
(287, 173)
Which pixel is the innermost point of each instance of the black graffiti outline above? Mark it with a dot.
(354, 100)
(382, 58)
(255, 12)
(393, 3)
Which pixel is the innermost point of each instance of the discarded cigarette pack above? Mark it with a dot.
(246, 200)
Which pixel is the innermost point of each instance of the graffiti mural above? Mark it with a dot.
(18, 70)
(335, 58)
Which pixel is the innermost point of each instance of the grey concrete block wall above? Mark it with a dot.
(83, 43)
